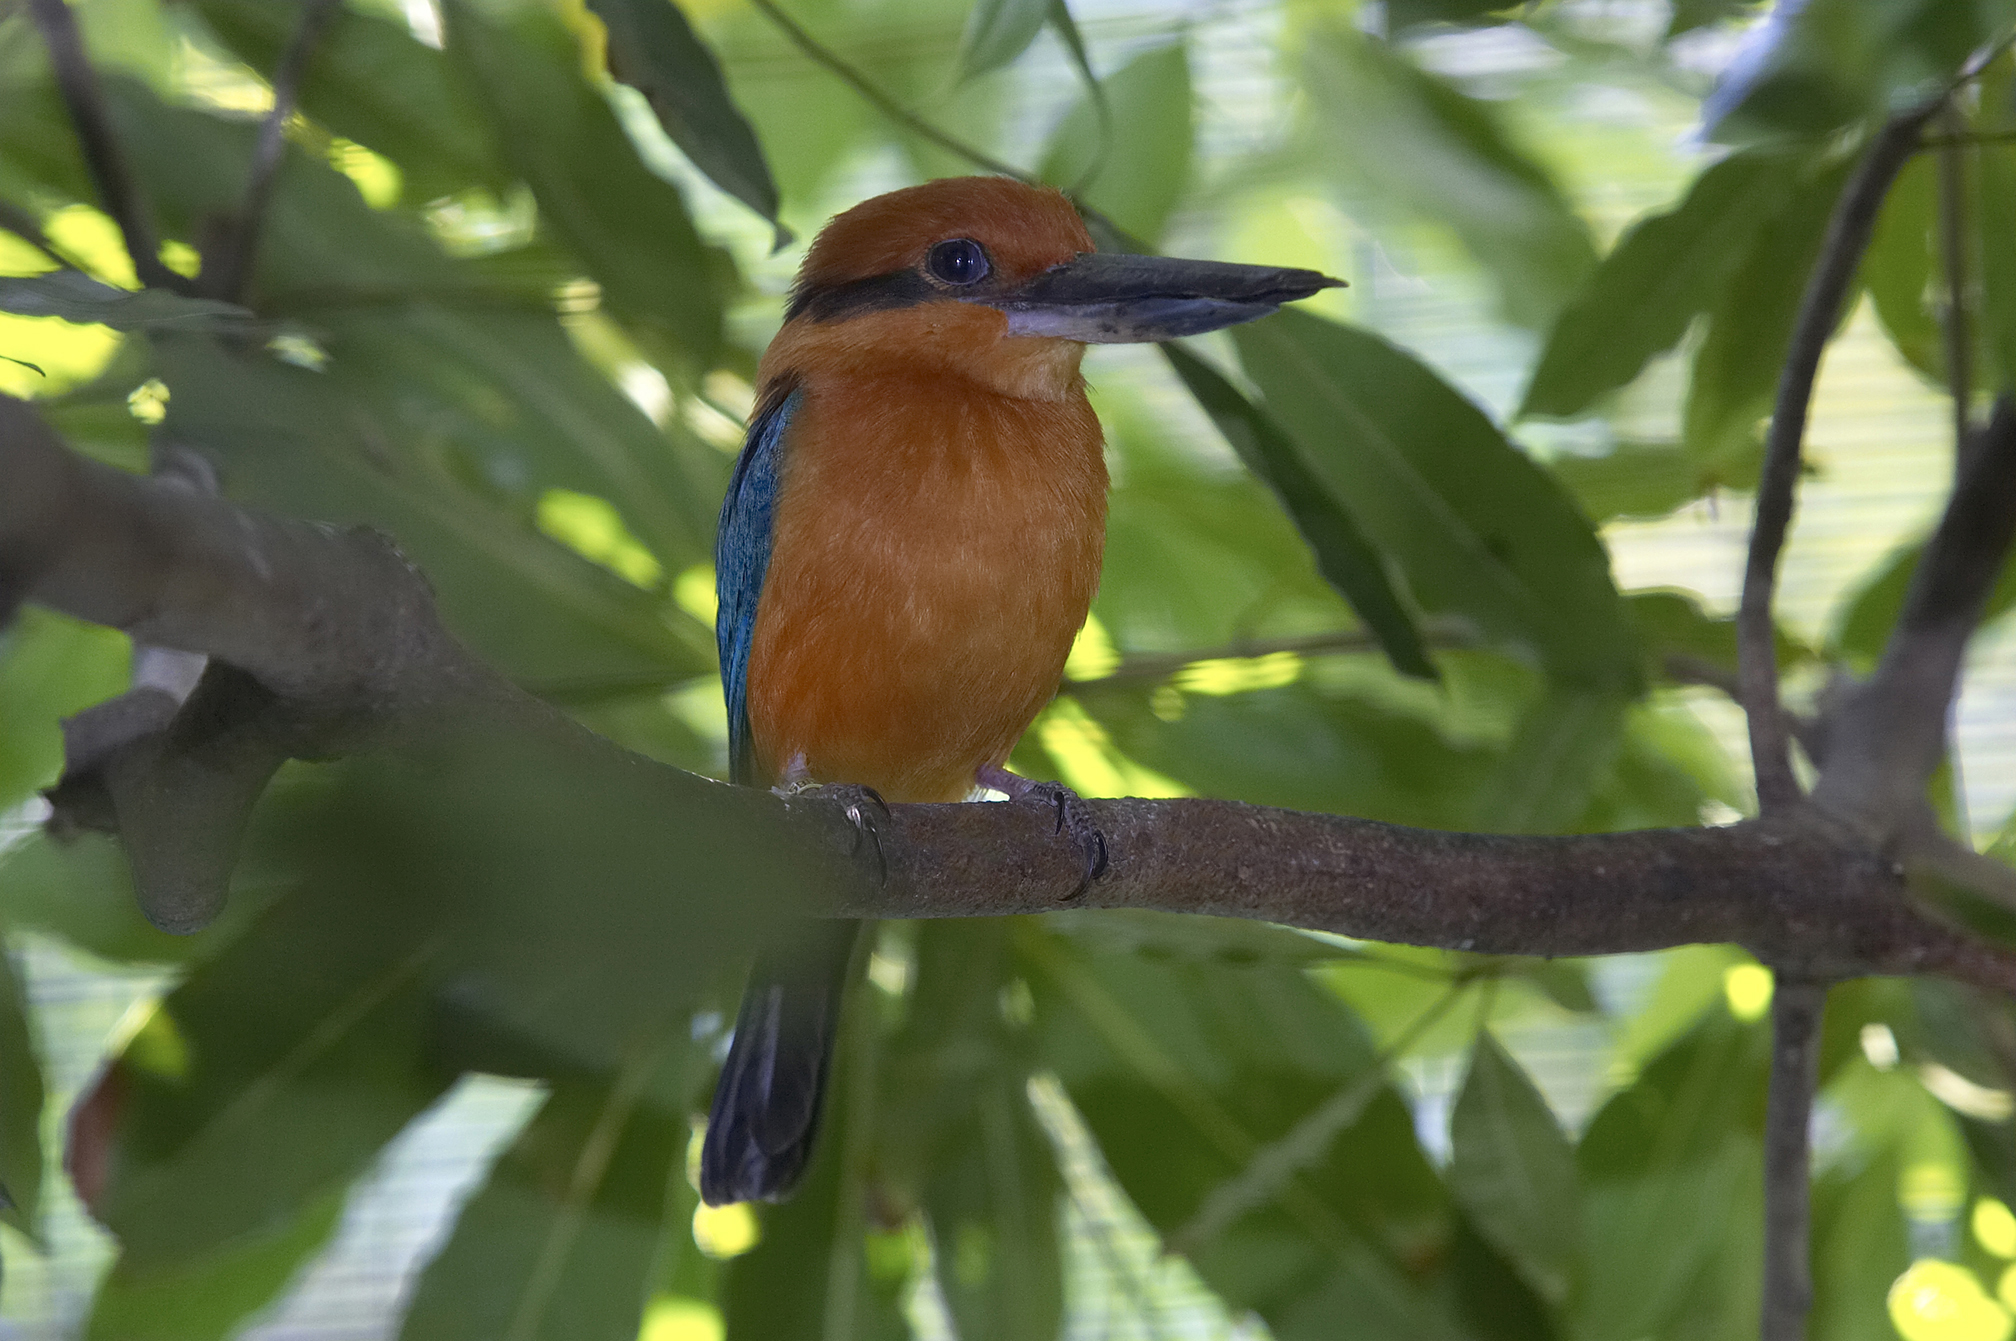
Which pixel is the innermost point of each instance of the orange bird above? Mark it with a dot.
(909, 545)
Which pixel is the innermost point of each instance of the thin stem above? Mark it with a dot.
(1847, 238)
(1953, 252)
(1796, 1009)
(824, 56)
(85, 101)
(234, 264)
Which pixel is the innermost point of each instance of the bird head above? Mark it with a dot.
(998, 279)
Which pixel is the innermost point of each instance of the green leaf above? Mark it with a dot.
(373, 82)
(1860, 1246)
(1343, 555)
(1417, 140)
(1185, 1072)
(1561, 753)
(1737, 367)
(564, 1238)
(21, 1097)
(1661, 1166)
(81, 889)
(627, 226)
(997, 31)
(1996, 176)
(1689, 15)
(1476, 528)
(957, 1123)
(51, 667)
(1663, 272)
(1872, 612)
(205, 1300)
(1136, 168)
(75, 296)
(1404, 14)
(1673, 624)
(1900, 264)
(1633, 479)
(1181, 936)
(654, 49)
(1514, 1171)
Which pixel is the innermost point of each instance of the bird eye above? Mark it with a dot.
(958, 260)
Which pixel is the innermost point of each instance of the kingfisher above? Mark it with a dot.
(910, 543)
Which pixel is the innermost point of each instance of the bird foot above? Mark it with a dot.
(864, 808)
(1072, 817)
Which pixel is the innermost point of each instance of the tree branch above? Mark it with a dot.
(1796, 1009)
(233, 257)
(78, 83)
(1848, 233)
(1890, 733)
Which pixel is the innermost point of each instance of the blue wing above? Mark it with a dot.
(741, 558)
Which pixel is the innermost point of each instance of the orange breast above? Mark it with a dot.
(936, 548)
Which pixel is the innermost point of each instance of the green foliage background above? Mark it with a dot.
(506, 310)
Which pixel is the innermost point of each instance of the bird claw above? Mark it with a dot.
(1071, 818)
(864, 809)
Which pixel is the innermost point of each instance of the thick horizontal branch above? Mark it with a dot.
(1800, 892)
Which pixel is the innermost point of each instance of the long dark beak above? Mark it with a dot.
(1110, 298)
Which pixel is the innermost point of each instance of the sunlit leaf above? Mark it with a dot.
(1137, 173)
(1418, 141)
(1476, 527)
(1514, 1171)
(563, 1240)
(653, 49)
(1664, 271)
(1342, 552)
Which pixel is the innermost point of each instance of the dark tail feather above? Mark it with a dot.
(773, 1085)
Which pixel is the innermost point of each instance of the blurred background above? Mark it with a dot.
(1276, 131)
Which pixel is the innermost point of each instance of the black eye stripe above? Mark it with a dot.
(958, 260)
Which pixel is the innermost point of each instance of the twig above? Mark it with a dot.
(1953, 252)
(1796, 1008)
(85, 101)
(825, 57)
(1890, 733)
(240, 244)
(1848, 233)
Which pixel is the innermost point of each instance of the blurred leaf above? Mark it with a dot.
(1814, 67)
(627, 226)
(1417, 140)
(1566, 983)
(51, 667)
(1058, 12)
(1634, 479)
(653, 49)
(1514, 1171)
(1899, 266)
(373, 82)
(1183, 1072)
(1564, 747)
(1405, 14)
(1689, 15)
(1872, 612)
(1137, 173)
(1343, 555)
(75, 296)
(1673, 624)
(1494, 1301)
(1663, 272)
(1661, 1165)
(1750, 324)
(1995, 172)
(1860, 1246)
(1476, 527)
(997, 31)
(956, 1119)
(205, 1300)
(82, 890)
(563, 1239)
(21, 1098)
